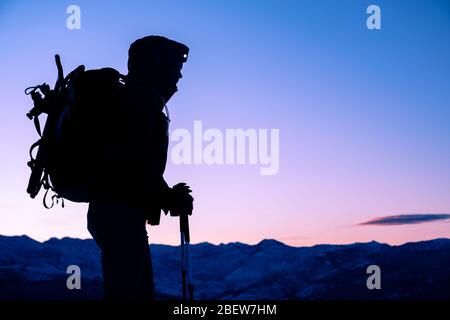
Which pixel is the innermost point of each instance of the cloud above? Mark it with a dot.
(406, 219)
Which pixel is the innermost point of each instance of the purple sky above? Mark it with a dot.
(363, 115)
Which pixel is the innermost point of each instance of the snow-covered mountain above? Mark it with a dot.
(268, 270)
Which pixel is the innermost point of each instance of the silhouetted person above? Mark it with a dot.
(130, 157)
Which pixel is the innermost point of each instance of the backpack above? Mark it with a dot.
(76, 108)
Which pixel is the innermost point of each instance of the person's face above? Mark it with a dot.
(166, 79)
(173, 74)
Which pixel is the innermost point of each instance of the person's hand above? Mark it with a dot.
(181, 201)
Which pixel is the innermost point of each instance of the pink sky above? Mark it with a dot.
(363, 116)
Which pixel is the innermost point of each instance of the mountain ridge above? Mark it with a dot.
(269, 269)
(269, 240)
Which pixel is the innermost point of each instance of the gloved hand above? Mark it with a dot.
(181, 202)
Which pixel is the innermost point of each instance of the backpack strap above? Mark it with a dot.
(55, 197)
(32, 159)
(38, 100)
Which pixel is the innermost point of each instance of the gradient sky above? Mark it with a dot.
(363, 115)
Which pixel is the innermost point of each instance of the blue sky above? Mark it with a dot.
(363, 115)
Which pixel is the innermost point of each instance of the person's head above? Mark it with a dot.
(157, 61)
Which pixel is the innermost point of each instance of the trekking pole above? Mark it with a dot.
(186, 271)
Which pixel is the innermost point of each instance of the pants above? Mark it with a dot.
(119, 231)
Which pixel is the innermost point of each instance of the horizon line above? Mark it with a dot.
(233, 242)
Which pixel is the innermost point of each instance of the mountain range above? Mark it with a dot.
(268, 270)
